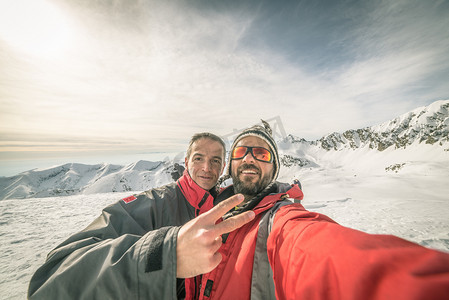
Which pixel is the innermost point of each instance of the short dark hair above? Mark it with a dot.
(205, 135)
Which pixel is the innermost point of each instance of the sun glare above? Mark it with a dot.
(35, 27)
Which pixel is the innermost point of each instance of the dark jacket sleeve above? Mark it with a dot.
(116, 257)
(313, 257)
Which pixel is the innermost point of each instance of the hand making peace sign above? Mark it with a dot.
(200, 238)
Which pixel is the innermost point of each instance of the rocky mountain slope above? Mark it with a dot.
(427, 125)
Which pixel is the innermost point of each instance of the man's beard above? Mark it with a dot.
(247, 187)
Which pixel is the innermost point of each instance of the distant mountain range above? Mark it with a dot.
(73, 178)
(427, 125)
(422, 126)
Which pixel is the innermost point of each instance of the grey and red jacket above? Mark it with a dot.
(128, 252)
(309, 256)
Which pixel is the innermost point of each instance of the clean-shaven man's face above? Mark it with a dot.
(206, 162)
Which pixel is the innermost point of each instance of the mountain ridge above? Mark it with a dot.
(423, 127)
(428, 124)
(76, 178)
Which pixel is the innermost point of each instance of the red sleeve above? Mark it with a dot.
(313, 257)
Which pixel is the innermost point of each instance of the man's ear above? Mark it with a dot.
(186, 162)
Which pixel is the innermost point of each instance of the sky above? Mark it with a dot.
(100, 80)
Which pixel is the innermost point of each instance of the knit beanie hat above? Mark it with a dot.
(265, 133)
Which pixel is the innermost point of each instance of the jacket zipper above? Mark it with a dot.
(197, 281)
(203, 200)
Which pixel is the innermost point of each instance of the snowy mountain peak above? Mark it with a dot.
(143, 165)
(423, 125)
(74, 178)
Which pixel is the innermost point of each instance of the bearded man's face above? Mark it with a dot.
(251, 176)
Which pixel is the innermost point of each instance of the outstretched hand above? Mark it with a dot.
(200, 238)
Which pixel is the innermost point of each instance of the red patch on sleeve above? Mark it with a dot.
(129, 199)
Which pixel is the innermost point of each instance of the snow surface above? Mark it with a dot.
(411, 202)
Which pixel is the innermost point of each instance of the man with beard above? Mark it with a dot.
(287, 252)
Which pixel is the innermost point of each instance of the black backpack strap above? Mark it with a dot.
(262, 283)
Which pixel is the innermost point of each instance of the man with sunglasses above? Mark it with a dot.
(287, 252)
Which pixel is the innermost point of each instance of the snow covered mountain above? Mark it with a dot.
(417, 136)
(427, 125)
(73, 178)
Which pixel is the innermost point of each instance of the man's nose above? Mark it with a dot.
(207, 165)
(249, 158)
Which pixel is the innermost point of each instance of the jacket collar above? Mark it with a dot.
(283, 191)
(198, 197)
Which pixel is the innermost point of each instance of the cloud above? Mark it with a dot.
(152, 73)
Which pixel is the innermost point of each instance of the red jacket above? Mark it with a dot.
(312, 257)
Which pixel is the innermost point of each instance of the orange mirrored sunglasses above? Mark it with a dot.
(259, 153)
